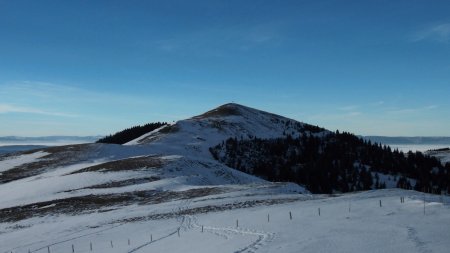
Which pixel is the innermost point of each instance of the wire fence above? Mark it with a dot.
(131, 245)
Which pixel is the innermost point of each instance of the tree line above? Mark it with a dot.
(131, 133)
(333, 162)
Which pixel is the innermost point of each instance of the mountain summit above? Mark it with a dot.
(194, 136)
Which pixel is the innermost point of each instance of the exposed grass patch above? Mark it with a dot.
(133, 163)
(221, 111)
(209, 208)
(169, 129)
(122, 183)
(98, 203)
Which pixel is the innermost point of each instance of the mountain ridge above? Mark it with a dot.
(195, 139)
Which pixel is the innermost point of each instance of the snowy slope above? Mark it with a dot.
(13, 161)
(196, 135)
(86, 178)
(170, 158)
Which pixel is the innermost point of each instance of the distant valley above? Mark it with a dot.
(417, 143)
(9, 144)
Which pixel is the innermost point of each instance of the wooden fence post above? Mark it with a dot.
(268, 218)
(90, 246)
(290, 215)
(318, 210)
(112, 246)
(424, 204)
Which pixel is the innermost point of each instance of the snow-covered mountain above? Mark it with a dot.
(188, 140)
(196, 135)
(146, 195)
(173, 159)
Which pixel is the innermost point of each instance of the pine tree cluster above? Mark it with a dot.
(131, 133)
(334, 162)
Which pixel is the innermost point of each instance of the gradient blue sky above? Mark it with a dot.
(95, 67)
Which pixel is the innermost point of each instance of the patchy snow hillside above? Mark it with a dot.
(172, 158)
(196, 135)
(164, 192)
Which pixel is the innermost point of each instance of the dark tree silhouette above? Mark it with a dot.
(329, 162)
(131, 133)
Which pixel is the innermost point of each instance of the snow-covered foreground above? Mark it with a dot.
(247, 220)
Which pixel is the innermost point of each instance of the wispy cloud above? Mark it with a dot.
(348, 108)
(337, 116)
(412, 110)
(429, 107)
(378, 103)
(44, 98)
(53, 93)
(439, 33)
(218, 42)
(353, 114)
(9, 108)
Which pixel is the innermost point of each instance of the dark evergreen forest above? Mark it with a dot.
(131, 133)
(333, 162)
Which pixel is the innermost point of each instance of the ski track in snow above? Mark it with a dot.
(420, 245)
(190, 222)
(263, 237)
(184, 205)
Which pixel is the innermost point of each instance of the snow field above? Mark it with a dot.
(393, 227)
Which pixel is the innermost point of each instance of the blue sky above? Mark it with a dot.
(96, 67)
